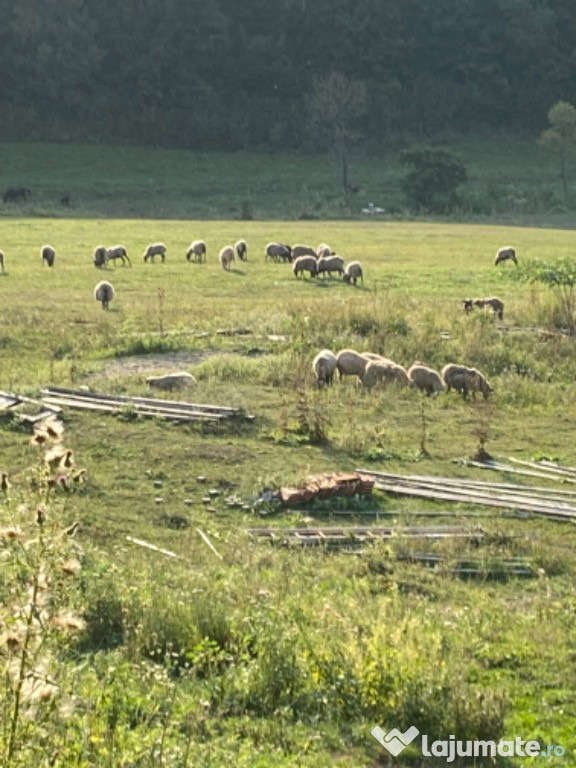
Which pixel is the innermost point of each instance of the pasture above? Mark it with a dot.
(265, 656)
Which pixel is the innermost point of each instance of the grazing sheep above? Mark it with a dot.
(241, 249)
(302, 250)
(2, 262)
(324, 366)
(278, 252)
(425, 378)
(117, 252)
(506, 254)
(324, 250)
(384, 372)
(351, 363)
(16, 194)
(226, 256)
(352, 272)
(170, 381)
(465, 380)
(496, 304)
(100, 256)
(48, 255)
(196, 252)
(155, 249)
(305, 264)
(104, 293)
(65, 201)
(329, 264)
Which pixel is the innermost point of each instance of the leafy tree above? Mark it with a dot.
(560, 137)
(560, 277)
(434, 179)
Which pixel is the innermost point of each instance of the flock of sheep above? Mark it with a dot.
(375, 370)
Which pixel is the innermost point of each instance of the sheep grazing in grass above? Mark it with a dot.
(16, 195)
(384, 372)
(196, 252)
(426, 379)
(302, 250)
(48, 255)
(241, 248)
(352, 272)
(2, 262)
(100, 256)
(324, 367)
(324, 250)
(171, 381)
(329, 264)
(465, 380)
(305, 264)
(226, 256)
(118, 252)
(155, 249)
(351, 363)
(495, 304)
(104, 293)
(278, 252)
(506, 254)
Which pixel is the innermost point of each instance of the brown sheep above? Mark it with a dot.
(385, 372)
(464, 380)
(506, 254)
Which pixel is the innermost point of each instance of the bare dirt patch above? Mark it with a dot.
(165, 362)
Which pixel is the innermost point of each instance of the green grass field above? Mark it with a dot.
(277, 656)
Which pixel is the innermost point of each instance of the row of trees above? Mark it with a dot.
(224, 74)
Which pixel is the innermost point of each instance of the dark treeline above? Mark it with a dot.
(258, 74)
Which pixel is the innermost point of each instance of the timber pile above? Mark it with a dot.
(11, 403)
(327, 486)
(557, 504)
(333, 536)
(145, 406)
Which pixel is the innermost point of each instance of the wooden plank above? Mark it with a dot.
(506, 468)
(153, 547)
(546, 467)
(116, 408)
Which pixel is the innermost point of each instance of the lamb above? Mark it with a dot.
(155, 249)
(117, 252)
(104, 292)
(324, 367)
(324, 250)
(170, 381)
(329, 264)
(99, 256)
(2, 262)
(465, 380)
(426, 379)
(384, 372)
(197, 251)
(496, 304)
(302, 250)
(506, 254)
(48, 255)
(226, 256)
(352, 272)
(241, 248)
(278, 252)
(305, 264)
(351, 363)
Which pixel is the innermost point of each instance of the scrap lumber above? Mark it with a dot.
(327, 486)
(360, 534)
(153, 547)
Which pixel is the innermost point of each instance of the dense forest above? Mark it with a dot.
(290, 74)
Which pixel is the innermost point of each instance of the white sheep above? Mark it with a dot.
(351, 363)
(302, 250)
(196, 251)
(241, 248)
(48, 255)
(352, 272)
(324, 367)
(324, 250)
(170, 381)
(155, 249)
(305, 264)
(329, 264)
(104, 293)
(464, 380)
(100, 256)
(506, 254)
(117, 252)
(425, 378)
(384, 372)
(226, 256)
(278, 252)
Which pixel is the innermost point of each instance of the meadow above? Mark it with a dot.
(246, 653)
